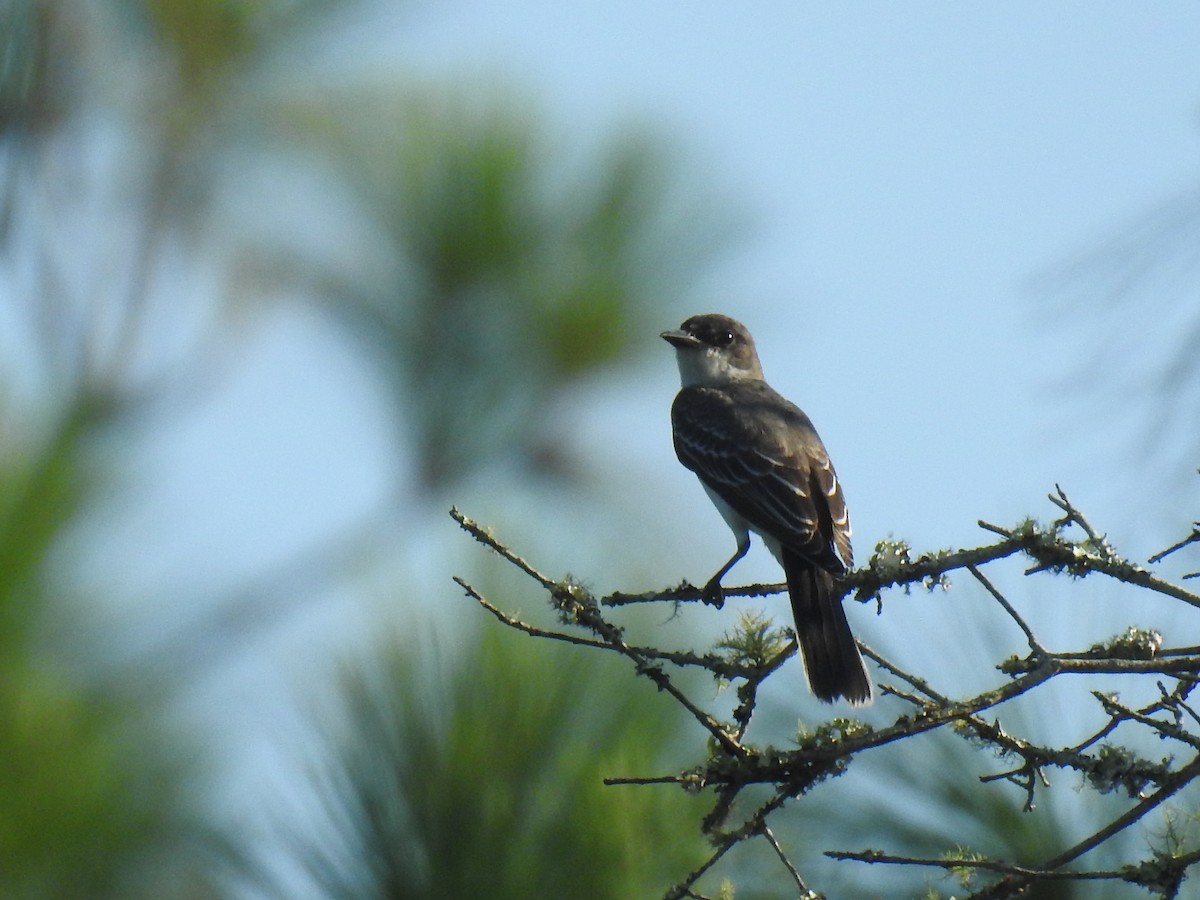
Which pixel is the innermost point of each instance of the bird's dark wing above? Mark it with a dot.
(761, 455)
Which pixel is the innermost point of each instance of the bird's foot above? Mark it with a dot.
(713, 594)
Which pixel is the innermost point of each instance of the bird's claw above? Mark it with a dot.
(714, 594)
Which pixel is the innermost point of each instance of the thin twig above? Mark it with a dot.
(611, 639)
(481, 534)
(959, 862)
(1164, 729)
(802, 889)
(1035, 645)
(915, 681)
(1059, 499)
(987, 865)
(751, 827)
(1179, 545)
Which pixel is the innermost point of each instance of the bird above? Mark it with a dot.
(764, 467)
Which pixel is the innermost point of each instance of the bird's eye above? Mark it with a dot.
(725, 338)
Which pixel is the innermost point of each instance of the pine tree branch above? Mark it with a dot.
(755, 649)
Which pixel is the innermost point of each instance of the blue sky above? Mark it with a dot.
(905, 171)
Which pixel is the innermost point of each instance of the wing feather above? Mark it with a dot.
(762, 456)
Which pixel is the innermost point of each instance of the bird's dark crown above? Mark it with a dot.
(717, 330)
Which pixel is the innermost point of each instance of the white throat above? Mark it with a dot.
(707, 366)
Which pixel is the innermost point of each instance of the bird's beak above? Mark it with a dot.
(680, 339)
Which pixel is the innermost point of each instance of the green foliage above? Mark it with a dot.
(203, 37)
(41, 490)
(514, 277)
(92, 796)
(206, 40)
(482, 777)
(966, 875)
(28, 98)
(512, 274)
(754, 641)
(92, 792)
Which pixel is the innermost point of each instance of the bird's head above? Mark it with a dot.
(713, 349)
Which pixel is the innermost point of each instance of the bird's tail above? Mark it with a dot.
(832, 663)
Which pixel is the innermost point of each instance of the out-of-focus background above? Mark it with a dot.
(282, 280)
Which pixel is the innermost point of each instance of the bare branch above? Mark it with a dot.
(802, 889)
(481, 534)
(962, 862)
(1008, 886)
(755, 649)
(1039, 651)
(1190, 539)
(752, 827)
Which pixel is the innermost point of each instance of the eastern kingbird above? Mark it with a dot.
(765, 469)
